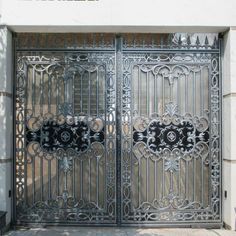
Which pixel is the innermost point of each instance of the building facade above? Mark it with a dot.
(111, 115)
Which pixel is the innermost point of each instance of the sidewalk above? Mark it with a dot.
(103, 231)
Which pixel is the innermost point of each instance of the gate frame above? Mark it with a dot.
(118, 58)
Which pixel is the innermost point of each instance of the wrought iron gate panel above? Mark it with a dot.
(65, 137)
(147, 151)
(170, 135)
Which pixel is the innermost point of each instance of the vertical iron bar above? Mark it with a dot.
(163, 178)
(139, 182)
(155, 94)
(155, 179)
(81, 179)
(202, 182)
(25, 177)
(33, 90)
(57, 94)
(171, 181)
(65, 181)
(97, 93)
(185, 189)
(186, 93)
(163, 95)
(49, 179)
(178, 94)
(194, 179)
(147, 93)
(41, 93)
(57, 177)
(201, 94)
(171, 91)
(179, 179)
(41, 178)
(73, 94)
(89, 94)
(139, 91)
(89, 185)
(81, 93)
(49, 93)
(187, 182)
(147, 179)
(194, 93)
(97, 183)
(65, 102)
(33, 180)
(73, 185)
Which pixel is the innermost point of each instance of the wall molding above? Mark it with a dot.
(5, 94)
(230, 161)
(6, 160)
(229, 95)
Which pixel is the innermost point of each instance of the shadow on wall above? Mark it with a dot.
(235, 217)
(3, 192)
(2, 110)
(3, 66)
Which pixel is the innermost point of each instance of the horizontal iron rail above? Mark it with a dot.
(113, 50)
(62, 50)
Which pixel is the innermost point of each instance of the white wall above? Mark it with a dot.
(6, 150)
(119, 15)
(229, 128)
(0, 11)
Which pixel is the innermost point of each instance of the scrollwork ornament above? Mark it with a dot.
(172, 135)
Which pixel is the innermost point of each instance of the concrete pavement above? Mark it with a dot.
(109, 231)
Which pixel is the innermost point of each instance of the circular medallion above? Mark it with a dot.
(65, 136)
(171, 136)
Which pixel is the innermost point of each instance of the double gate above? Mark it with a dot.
(118, 129)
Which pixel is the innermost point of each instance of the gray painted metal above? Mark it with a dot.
(118, 129)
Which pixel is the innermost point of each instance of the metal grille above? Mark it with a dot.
(65, 133)
(119, 130)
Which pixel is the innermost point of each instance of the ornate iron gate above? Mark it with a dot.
(118, 130)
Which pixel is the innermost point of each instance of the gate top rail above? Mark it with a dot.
(106, 41)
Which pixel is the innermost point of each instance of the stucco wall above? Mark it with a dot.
(119, 15)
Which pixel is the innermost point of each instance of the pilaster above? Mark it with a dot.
(229, 128)
(6, 140)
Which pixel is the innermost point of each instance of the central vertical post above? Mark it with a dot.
(118, 126)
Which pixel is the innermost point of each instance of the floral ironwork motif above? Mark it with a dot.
(172, 164)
